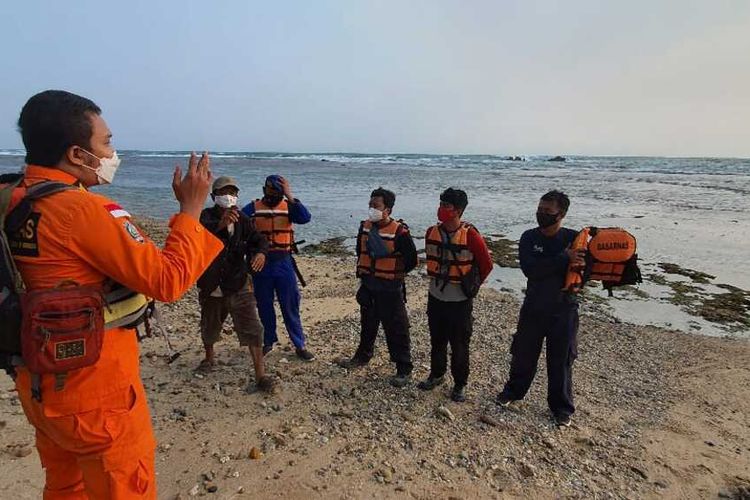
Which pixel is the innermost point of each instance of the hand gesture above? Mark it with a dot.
(577, 257)
(230, 216)
(259, 260)
(286, 188)
(192, 190)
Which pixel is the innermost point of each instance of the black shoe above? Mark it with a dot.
(267, 349)
(562, 420)
(503, 400)
(305, 355)
(458, 394)
(430, 383)
(400, 380)
(350, 364)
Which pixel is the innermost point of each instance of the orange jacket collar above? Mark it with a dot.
(35, 172)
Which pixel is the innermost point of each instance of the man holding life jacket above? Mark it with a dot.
(93, 428)
(275, 217)
(224, 289)
(548, 312)
(458, 262)
(385, 254)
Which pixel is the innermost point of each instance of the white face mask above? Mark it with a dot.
(226, 201)
(375, 215)
(107, 168)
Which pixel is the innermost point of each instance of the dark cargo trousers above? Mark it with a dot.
(389, 309)
(560, 329)
(450, 323)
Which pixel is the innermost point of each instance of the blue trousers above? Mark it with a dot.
(278, 278)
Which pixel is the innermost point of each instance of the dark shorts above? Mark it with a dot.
(241, 306)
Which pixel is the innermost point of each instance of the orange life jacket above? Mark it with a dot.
(275, 225)
(455, 253)
(611, 258)
(390, 267)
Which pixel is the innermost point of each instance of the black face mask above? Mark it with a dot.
(273, 200)
(546, 220)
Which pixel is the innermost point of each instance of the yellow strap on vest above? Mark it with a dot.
(124, 307)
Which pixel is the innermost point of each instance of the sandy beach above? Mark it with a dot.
(660, 413)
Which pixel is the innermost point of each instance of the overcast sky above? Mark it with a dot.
(637, 77)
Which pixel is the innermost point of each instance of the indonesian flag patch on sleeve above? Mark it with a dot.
(116, 210)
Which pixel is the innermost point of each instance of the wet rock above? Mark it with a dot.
(696, 276)
(331, 246)
(504, 251)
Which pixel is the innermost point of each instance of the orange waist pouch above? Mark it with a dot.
(62, 329)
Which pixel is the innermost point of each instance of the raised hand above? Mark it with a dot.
(192, 190)
(230, 216)
(286, 188)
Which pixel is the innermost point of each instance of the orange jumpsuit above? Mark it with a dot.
(94, 436)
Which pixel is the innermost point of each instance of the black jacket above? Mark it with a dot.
(544, 262)
(230, 268)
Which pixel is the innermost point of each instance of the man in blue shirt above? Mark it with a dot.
(275, 215)
(547, 311)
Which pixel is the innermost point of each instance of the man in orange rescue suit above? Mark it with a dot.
(386, 253)
(275, 218)
(93, 432)
(453, 249)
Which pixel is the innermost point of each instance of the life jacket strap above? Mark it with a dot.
(60, 379)
(36, 387)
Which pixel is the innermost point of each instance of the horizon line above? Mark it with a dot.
(344, 153)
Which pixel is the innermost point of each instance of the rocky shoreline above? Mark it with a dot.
(660, 413)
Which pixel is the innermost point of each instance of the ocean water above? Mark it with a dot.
(689, 211)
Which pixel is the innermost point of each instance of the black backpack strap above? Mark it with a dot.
(46, 188)
(6, 193)
(15, 218)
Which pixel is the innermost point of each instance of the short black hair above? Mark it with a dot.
(455, 197)
(51, 122)
(558, 197)
(389, 197)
